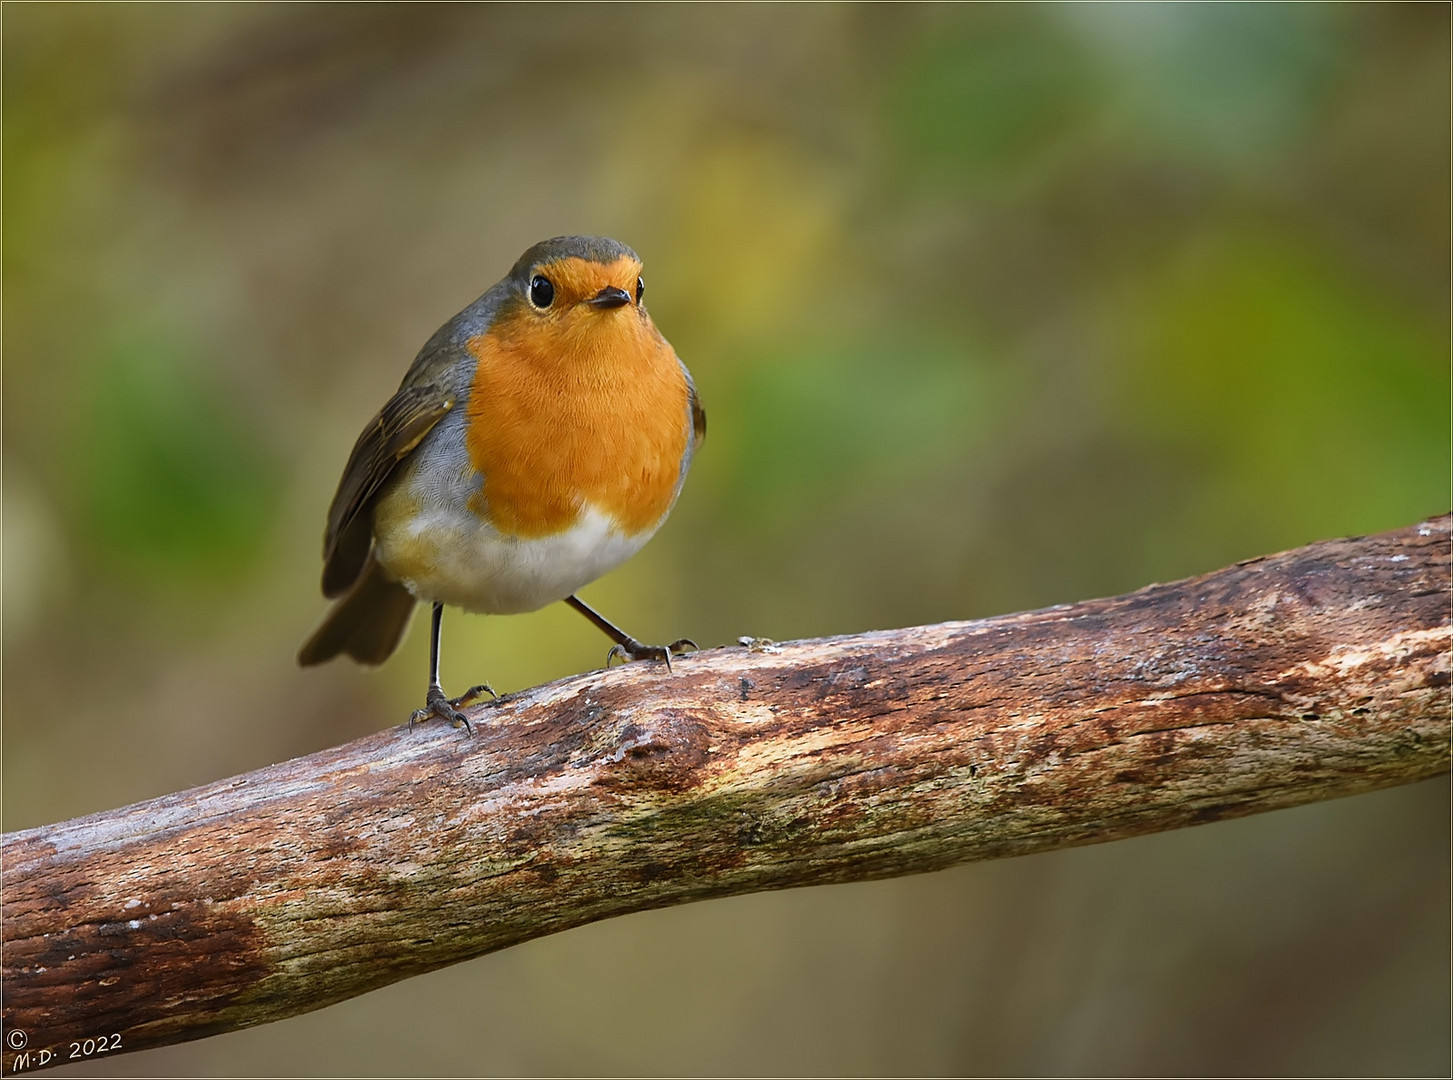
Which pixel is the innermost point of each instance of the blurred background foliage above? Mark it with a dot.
(992, 307)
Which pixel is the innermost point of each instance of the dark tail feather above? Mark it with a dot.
(367, 623)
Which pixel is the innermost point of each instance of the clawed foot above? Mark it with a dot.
(436, 704)
(631, 649)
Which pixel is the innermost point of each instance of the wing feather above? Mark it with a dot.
(399, 427)
(698, 419)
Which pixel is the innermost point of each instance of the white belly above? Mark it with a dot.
(441, 553)
(427, 538)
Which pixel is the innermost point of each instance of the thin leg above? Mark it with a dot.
(625, 645)
(435, 703)
(434, 638)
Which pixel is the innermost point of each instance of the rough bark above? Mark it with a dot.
(1311, 674)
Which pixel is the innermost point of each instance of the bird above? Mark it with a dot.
(538, 440)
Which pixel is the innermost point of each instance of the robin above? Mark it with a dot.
(538, 440)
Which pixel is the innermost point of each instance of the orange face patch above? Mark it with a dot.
(577, 280)
(577, 406)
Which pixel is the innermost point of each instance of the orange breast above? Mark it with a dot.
(565, 415)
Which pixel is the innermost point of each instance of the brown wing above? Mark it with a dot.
(698, 418)
(397, 429)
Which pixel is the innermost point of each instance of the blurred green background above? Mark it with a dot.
(991, 308)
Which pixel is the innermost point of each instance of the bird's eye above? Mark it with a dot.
(640, 288)
(541, 291)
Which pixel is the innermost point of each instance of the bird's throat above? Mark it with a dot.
(561, 421)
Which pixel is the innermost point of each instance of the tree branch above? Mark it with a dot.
(1307, 675)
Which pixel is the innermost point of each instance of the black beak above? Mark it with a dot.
(610, 297)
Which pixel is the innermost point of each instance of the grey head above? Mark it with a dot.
(437, 360)
(598, 249)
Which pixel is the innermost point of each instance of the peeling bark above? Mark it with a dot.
(1307, 675)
